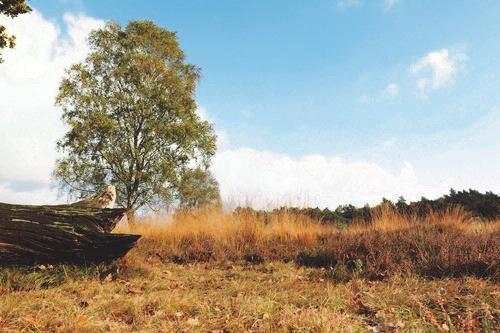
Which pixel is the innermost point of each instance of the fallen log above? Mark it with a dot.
(61, 233)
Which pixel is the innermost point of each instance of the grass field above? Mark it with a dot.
(207, 271)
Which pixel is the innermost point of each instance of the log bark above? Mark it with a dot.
(62, 233)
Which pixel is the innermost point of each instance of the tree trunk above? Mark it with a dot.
(131, 218)
(63, 233)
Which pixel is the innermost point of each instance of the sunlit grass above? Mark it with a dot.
(212, 271)
(449, 243)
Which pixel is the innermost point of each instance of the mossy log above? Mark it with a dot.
(62, 233)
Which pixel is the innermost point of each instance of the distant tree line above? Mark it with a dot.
(485, 206)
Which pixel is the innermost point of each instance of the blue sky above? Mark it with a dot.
(274, 70)
(392, 83)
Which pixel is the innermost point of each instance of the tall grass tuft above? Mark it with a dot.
(445, 244)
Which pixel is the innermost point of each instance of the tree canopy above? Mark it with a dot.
(11, 8)
(199, 188)
(132, 118)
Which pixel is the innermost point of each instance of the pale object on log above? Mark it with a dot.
(105, 199)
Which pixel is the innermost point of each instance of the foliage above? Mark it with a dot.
(198, 188)
(484, 206)
(11, 8)
(132, 118)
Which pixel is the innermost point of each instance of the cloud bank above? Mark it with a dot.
(29, 122)
(264, 179)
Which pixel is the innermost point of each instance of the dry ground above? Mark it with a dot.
(211, 272)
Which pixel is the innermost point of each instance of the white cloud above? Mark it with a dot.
(29, 122)
(437, 69)
(265, 179)
(41, 195)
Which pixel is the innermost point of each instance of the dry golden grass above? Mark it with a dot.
(444, 244)
(270, 297)
(207, 271)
